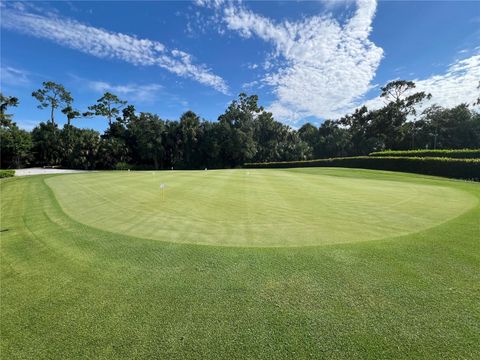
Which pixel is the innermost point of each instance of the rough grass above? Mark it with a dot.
(69, 290)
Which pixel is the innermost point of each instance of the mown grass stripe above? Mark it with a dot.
(72, 291)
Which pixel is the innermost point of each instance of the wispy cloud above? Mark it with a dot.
(13, 76)
(458, 84)
(331, 4)
(134, 92)
(209, 3)
(107, 44)
(322, 67)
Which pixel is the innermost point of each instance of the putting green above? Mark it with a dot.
(71, 291)
(257, 207)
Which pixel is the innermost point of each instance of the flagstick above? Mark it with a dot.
(162, 187)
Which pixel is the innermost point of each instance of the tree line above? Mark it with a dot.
(245, 132)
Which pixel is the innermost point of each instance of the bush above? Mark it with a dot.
(448, 167)
(123, 166)
(6, 173)
(460, 154)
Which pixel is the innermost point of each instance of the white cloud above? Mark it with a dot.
(134, 92)
(322, 67)
(19, 6)
(209, 3)
(252, 84)
(107, 44)
(12, 76)
(457, 85)
(331, 4)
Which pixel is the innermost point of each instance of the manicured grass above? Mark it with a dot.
(256, 207)
(76, 282)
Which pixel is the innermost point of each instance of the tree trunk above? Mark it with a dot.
(52, 116)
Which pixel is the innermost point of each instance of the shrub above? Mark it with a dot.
(122, 166)
(6, 173)
(463, 153)
(448, 167)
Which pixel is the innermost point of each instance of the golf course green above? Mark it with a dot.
(255, 207)
(280, 264)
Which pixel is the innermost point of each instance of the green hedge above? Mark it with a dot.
(460, 154)
(123, 166)
(454, 168)
(6, 173)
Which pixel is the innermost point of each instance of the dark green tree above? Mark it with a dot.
(244, 132)
(309, 133)
(334, 140)
(108, 106)
(189, 131)
(454, 128)
(146, 134)
(292, 147)
(276, 141)
(80, 147)
(47, 148)
(208, 154)
(363, 137)
(70, 113)
(237, 130)
(52, 96)
(401, 102)
(128, 115)
(15, 146)
(5, 103)
(86, 149)
(111, 152)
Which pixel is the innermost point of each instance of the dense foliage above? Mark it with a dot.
(460, 154)
(245, 132)
(449, 167)
(6, 173)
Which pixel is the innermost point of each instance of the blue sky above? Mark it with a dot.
(307, 61)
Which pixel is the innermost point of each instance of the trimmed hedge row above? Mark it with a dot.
(448, 167)
(6, 173)
(460, 154)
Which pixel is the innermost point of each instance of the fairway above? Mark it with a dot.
(260, 264)
(256, 207)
